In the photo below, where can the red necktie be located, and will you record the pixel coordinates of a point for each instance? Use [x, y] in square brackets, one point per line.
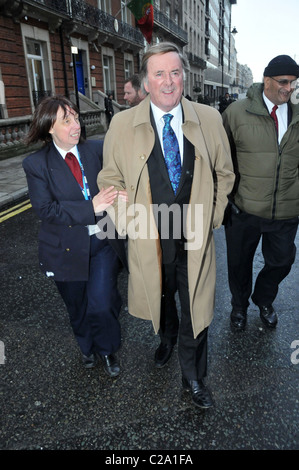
[273, 114]
[74, 166]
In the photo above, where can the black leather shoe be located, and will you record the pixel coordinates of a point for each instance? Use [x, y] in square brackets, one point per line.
[111, 365]
[162, 354]
[88, 361]
[238, 318]
[268, 316]
[201, 396]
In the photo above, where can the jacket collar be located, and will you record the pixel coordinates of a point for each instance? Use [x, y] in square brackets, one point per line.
[256, 103]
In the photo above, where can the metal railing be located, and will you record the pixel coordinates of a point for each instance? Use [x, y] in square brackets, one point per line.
[170, 25]
[196, 60]
[81, 11]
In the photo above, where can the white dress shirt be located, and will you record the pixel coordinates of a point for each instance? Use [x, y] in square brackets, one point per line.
[92, 229]
[282, 116]
[176, 124]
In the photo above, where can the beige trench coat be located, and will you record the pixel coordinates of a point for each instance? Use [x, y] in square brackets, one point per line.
[128, 144]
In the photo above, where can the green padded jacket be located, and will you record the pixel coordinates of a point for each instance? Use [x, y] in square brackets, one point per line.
[267, 173]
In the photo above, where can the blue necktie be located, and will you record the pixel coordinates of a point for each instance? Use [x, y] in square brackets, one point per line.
[171, 153]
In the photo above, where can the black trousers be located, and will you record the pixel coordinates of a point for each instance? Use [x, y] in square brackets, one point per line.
[243, 234]
[192, 352]
[94, 305]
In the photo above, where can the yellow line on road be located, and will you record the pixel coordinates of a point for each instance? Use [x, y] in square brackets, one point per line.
[15, 210]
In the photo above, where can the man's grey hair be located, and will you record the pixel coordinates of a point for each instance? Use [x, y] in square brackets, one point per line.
[161, 48]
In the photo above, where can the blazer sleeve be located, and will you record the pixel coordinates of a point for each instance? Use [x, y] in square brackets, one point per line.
[64, 207]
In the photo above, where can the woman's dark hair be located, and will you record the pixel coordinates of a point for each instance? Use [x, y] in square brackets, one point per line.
[45, 116]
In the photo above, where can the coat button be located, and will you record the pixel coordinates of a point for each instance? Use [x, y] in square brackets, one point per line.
[132, 187]
[67, 249]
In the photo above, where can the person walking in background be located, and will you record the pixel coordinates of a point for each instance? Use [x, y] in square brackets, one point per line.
[171, 153]
[109, 108]
[263, 131]
[225, 102]
[64, 194]
[133, 92]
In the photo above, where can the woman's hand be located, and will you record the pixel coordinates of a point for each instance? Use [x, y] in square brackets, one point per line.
[104, 199]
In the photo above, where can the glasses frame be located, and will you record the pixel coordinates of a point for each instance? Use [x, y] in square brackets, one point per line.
[285, 82]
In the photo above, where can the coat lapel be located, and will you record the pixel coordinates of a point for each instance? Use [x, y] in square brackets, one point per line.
[62, 175]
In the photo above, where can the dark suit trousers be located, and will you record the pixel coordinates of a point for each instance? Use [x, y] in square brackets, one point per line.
[192, 352]
[94, 305]
[243, 235]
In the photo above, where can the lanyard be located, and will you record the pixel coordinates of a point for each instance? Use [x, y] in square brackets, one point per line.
[85, 189]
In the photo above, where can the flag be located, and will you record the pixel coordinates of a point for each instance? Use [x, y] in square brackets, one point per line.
[143, 11]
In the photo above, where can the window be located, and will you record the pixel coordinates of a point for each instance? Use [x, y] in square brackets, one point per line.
[108, 75]
[126, 15]
[38, 69]
[167, 10]
[104, 5]
[128, 68]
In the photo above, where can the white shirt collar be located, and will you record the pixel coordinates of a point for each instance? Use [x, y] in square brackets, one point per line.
[270, 105]
[282, 116]
[158, 113]
[63, 153]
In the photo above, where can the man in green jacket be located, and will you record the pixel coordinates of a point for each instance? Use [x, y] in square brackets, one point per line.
[265, 200]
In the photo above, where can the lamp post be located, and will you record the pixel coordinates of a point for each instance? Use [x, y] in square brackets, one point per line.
[74, 53]
[234, 32]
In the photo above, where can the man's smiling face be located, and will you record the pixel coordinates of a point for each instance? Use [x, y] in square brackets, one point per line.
[165, 80]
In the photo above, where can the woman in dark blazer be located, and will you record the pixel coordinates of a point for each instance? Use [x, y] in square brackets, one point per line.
[73, 251]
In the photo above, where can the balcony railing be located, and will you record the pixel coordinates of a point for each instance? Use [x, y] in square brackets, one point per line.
[195, 60]
[78, 10]
[170, 25]
[57, 5]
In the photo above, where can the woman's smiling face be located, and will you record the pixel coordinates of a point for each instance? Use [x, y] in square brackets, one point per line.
[66, 130]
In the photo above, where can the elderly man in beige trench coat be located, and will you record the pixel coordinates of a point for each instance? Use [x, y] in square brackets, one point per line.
[133, 160]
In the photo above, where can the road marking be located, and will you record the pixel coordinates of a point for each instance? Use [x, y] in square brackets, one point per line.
[23, 206]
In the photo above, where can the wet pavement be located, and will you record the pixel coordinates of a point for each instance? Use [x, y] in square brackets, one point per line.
[49, 402]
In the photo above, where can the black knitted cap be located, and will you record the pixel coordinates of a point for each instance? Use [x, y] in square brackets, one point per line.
[281, 65]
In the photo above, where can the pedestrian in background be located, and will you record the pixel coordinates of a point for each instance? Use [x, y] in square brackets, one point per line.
[109, 110]
[171, 152]
[133, 92]
[225, 101]
[63, 192]
[263, 131]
